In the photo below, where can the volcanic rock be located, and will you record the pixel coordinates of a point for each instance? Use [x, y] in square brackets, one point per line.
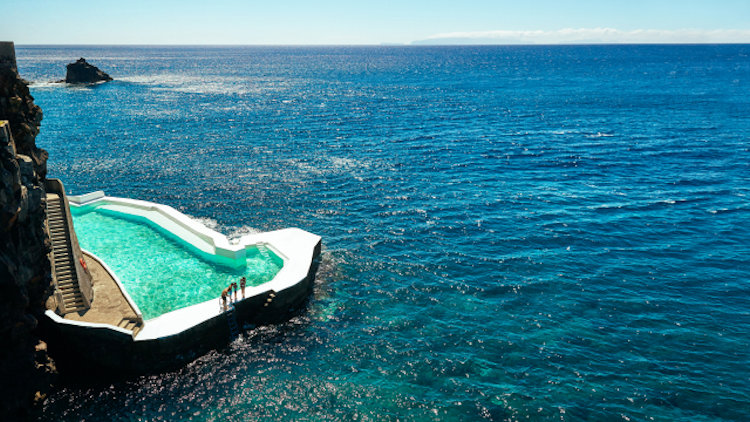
[81, 72]
[25, 271]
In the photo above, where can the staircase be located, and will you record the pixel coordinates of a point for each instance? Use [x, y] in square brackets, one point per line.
[131, 324]
[234, 330]
[63, 259]
[263, 249]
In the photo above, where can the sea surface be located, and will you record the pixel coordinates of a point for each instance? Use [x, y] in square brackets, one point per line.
[510, 232]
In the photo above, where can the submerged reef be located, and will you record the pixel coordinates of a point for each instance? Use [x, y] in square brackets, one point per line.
[25, 275]
[82, 72]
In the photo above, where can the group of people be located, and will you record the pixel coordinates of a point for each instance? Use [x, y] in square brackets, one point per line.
[232, 289]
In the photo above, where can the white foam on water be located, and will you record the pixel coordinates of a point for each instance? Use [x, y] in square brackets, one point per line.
[600, 135]
[195, 84]
[47, 85]
[235, 236]
[206, 221]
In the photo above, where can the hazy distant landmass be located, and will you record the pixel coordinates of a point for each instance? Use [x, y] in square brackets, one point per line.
[469, 41]
[589, 36]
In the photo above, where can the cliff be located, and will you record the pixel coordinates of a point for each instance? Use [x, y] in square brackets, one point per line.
[25, 370]
[81, 72]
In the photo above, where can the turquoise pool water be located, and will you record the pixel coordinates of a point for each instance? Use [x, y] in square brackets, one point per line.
[159, 273]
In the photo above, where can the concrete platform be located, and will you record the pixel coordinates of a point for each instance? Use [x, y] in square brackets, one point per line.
[97, 339]
[110, 304]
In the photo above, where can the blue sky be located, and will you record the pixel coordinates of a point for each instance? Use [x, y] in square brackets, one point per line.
[372, 22]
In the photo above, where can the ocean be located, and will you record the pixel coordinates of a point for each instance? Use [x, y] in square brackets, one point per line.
[510, 232]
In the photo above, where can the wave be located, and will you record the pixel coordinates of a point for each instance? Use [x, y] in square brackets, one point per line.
[235, 235]
[600, 135]
[196, 84]
[45, 85]
[636, 205]
[206, 221]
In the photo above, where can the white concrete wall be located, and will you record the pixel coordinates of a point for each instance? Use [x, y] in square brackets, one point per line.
[296, 247]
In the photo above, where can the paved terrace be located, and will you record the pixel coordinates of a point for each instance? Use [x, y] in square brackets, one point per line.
[109, 305]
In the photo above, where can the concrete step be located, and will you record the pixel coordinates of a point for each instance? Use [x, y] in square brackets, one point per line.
[129, 324]
[74, 300]
[75, 308]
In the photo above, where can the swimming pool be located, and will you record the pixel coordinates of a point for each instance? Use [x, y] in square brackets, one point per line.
[160, 272]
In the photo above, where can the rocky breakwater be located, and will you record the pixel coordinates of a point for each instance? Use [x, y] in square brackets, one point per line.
[81, 72]
[25, 369]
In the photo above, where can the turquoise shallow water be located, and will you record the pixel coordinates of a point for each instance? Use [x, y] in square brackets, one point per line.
[510, 233]
[160, 274]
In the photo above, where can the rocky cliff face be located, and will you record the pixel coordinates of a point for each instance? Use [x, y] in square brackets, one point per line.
[25, 370]
[81, 72]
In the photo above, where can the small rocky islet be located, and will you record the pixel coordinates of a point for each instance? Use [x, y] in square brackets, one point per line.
[82, 72]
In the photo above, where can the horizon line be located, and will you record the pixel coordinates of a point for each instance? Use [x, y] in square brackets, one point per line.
[412, 44]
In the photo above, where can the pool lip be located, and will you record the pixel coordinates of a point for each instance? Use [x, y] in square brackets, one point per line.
[188, 230]
[297, 249]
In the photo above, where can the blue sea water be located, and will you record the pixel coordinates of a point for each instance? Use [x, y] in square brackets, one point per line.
[510, 233]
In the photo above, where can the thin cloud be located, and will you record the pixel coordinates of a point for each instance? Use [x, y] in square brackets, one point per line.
[592, 36]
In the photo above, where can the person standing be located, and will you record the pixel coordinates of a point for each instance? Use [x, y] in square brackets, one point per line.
[234, 290]
[224, 297]
[242, 286]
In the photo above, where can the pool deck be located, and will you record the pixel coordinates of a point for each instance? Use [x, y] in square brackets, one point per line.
[109, 305]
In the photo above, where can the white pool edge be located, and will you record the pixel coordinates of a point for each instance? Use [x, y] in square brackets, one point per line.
[296, 247]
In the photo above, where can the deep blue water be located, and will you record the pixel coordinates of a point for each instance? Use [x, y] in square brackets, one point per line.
[511, 233]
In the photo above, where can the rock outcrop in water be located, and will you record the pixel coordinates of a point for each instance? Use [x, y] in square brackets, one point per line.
[25, 274]
[81, 72]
